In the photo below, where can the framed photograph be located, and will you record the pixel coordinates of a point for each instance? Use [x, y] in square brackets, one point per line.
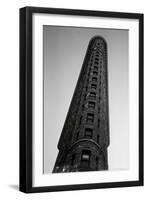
[81, 99]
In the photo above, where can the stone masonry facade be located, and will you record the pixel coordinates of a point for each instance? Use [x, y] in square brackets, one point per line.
[85, 136]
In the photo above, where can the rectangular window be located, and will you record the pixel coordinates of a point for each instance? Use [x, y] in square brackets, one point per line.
[90, 117]
[91, 104]
[85, 158]
[92, 95]
[95, 68]
[95, 73]
[94, 79]
[93, 86]
[88, 133]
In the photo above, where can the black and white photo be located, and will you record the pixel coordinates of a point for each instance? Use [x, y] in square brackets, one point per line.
[81, 99]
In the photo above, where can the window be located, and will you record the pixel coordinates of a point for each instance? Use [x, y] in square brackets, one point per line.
[89, 72]
[85, 158]
[94, 79]
[73, 159]
[93, 86]
[98, 139]
[91, 104]
[95, 73]
[77, 135]
[98, 123]
[80, 120]
[85, 96]
[83, 106]
[92, 95]
[95, 68]
[90, 117]
[97, 163]
[88, 133]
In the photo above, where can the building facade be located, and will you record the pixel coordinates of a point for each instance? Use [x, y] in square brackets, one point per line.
[85, 136]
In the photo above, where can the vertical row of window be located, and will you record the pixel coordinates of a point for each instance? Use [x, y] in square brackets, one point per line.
[92, 95]
[99, 99]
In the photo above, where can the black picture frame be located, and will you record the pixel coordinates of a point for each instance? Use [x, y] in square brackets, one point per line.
[26, 96]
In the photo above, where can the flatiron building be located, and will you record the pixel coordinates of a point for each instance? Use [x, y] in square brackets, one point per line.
[85, 136]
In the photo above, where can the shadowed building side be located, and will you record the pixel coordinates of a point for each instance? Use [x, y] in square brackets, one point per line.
[85, 136]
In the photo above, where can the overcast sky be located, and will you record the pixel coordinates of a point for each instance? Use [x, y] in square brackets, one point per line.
[64, 51]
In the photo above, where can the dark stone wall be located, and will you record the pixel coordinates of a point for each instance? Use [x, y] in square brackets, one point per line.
[85, 135]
